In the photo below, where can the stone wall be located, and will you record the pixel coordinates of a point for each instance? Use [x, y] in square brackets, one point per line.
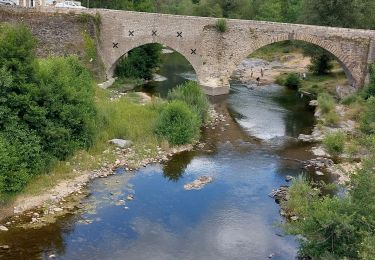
[57, 34]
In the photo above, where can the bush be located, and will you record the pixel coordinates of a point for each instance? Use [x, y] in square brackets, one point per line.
[335, 143]
[221, 25]
[369, 90]
[193, 96]
[90, 47]
[293, 81]
[338, 227]
[178, 123]
[326, 102]
[46, 109]
[367, 122]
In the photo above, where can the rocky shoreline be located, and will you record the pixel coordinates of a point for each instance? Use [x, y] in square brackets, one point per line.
[36, 211]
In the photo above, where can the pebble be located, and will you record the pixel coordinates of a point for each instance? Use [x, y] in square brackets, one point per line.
[3, 228]
[130, 197]
[57, 209]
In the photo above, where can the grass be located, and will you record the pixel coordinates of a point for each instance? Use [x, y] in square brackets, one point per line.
[221, 25]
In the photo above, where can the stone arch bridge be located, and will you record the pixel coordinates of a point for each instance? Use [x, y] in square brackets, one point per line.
[215, 55]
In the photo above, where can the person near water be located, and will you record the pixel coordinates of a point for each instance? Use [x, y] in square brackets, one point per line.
[258, 81]
[252, 72]
[261, 72]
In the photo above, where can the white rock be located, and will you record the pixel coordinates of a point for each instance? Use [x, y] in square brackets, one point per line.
[57, 209]
[319, 173]
[3, 228]
[121, 143]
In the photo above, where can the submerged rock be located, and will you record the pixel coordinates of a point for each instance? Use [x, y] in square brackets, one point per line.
[198, 183]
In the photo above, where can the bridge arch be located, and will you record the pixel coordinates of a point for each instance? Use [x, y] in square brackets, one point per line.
[350, 67]
[126, 48]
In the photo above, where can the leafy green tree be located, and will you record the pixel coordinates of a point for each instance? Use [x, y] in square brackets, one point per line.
[340, 13]
[46, 109]
[141, 62]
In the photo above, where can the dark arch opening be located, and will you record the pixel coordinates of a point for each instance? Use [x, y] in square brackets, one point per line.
[157, 68]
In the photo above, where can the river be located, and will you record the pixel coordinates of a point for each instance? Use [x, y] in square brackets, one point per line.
[248, 155]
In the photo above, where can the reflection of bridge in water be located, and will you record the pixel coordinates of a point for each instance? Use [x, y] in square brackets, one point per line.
[215, 55]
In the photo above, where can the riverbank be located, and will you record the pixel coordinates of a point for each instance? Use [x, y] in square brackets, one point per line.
[43, 201]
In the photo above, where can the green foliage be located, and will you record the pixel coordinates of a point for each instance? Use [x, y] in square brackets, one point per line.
[368, 117]
[293, 81]
[336, 227]
[326, 102]
[46, 109]
[369, 90]
[90, 47]
[178, 123]
[335, 143]
[221, 25]
[321, 64]
[140, 63]
[191, 93]
[15, 53]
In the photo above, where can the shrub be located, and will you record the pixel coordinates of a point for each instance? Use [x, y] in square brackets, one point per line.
[90, 47]
[178, 123]
[326, 102]
[293, 81]
[336, 227]
[369, 90]
[335, 143]
[47, 109]
[221, 25]
[367, 122]
[193, 96]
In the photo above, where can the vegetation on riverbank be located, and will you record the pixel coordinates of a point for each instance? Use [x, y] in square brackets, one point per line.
[55, 123]
[46, 108]
[338, 227]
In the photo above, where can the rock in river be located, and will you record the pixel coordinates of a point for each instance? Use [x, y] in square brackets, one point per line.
[198, 183]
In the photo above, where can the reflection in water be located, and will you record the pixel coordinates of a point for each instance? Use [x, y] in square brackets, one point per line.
[231, 218]
[176, 69]
[175, 168]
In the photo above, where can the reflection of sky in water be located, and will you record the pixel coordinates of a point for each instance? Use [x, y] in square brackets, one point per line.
[261, 116]
[233, 218]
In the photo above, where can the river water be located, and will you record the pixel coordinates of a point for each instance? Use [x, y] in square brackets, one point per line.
[248, 155]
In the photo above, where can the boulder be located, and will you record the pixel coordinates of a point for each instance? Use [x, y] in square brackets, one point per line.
[121, 143]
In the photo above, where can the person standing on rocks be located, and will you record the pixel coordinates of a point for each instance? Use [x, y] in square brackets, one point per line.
[262, 72]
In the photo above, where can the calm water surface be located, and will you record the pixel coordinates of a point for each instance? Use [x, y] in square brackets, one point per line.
[232, 218]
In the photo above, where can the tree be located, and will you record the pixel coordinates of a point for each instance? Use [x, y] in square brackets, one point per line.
[338, 13]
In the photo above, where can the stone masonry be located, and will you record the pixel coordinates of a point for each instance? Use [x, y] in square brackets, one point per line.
[215, 55]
